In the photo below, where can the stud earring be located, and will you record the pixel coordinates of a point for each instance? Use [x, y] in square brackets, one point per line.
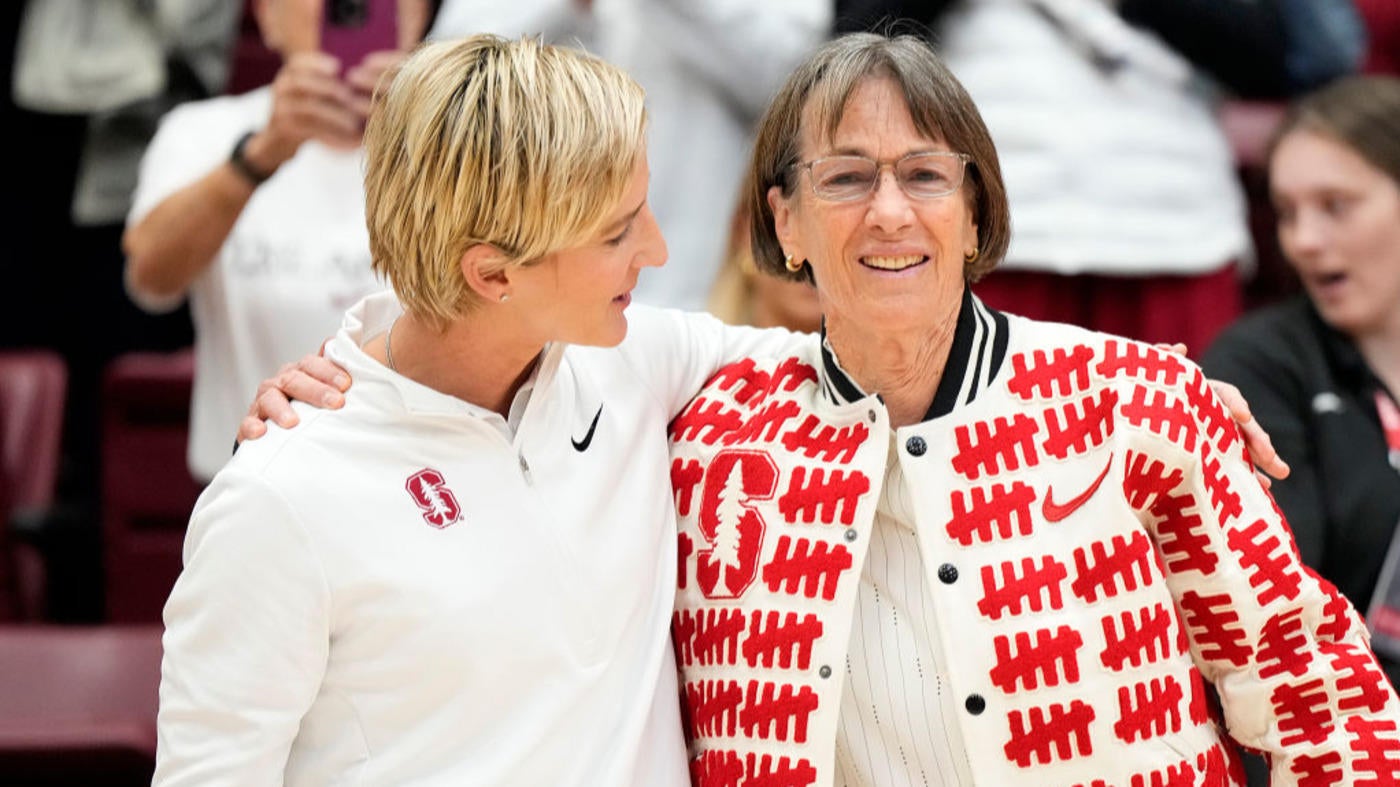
[791, 264]
[505, 296]
[971, 258]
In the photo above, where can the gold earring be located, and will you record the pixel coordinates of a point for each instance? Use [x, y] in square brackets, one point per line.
[971, 258]
[791, 264]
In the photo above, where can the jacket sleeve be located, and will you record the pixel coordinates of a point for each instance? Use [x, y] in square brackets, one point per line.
[1269, 379]
[246, 640]
[1287, 654]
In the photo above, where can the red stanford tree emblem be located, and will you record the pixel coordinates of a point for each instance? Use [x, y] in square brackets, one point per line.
[429, 491]
[732, 527]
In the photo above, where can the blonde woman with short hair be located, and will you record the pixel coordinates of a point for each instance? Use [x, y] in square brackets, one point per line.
[464, 576]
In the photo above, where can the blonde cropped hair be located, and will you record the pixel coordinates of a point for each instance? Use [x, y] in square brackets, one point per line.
[516, 144]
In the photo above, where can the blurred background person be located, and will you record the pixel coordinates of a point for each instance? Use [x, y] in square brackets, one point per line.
[86, 84]
[252, 206]
[1322, 369]
[743, 296]
[708, 69]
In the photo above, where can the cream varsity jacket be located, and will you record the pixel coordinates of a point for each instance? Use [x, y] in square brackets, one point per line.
[1104, 566]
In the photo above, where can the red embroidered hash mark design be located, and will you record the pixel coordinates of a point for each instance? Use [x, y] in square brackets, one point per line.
[686, 474]
[1336, 613]
[996, 446]
[792, 373]
[717, 636]
[430, 493]
[1375, 739]
[717, 768]
[1283, 646]
[1141, 362]
[1149, 709]
[765, 425]
[685, 547]
[705, 415]
[985, 514]
[1141, 640]
[724, 768]
[1268, 561]
[777, 711]
[1323, 770]
[1035, 586]
[707, 636]
[1224, 499]
[1045, 660]
[1214, 767]
[832, 444]
[714, 707]
[808, 567]
[1358, 673]
[782, 643]
[732, 527]
[1216, 423]
[770, 771]
[1215, 627]
[1044, 734]
[752, 384]
[1062, 373]
[1199, 709]
[1145, 479]
[1302, 712]
[1078, 426]
[1179, 775]
[1161, 414]
[1127, 563]
[1182, 535]
[838, 494]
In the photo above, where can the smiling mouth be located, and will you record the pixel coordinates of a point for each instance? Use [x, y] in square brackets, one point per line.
[894, 263]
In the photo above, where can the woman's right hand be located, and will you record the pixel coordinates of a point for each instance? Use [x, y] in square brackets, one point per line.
[314, 380]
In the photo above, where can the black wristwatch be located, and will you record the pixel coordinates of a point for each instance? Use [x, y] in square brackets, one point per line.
[240, 163]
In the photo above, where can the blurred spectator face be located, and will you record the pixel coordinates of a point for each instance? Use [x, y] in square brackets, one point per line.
[1339, 226]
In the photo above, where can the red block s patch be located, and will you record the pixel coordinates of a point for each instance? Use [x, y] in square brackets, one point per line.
[733, 528]
[429, 491]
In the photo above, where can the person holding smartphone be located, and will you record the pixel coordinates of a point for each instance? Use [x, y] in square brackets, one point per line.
[252, 206]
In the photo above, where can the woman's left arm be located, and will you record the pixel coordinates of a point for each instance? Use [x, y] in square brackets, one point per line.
[1288, 655]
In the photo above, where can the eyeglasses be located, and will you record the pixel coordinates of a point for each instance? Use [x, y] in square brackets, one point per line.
[919, 175]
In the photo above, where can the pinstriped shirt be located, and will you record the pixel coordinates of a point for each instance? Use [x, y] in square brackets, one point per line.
[892, 730]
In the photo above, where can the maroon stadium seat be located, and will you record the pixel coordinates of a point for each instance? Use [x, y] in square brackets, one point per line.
[79, 704]
[147, 491]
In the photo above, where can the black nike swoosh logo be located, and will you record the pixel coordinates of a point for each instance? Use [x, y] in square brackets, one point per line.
[582, 445]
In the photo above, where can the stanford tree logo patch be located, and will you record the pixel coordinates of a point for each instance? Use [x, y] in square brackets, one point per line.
[429, 491]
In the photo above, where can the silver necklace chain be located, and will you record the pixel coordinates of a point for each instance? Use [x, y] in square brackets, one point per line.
[388, 345]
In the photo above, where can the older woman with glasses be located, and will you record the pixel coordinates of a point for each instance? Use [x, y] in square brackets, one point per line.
[953, 546]
[946, 545]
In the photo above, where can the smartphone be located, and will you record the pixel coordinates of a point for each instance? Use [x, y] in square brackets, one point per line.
[351, 29]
